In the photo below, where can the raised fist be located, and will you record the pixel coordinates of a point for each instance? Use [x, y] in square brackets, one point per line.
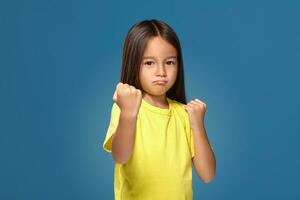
[128, 98]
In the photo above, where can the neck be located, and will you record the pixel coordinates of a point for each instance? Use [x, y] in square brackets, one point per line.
[159, 101]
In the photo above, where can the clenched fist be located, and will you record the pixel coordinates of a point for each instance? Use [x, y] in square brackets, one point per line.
[128, 98]
[196, 111]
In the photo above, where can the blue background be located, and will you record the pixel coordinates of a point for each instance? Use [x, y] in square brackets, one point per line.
[60, 62]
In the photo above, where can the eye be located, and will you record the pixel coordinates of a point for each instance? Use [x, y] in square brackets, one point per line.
[170, 62]
[148, 63]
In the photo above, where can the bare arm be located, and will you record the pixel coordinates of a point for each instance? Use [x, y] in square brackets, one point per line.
[204, 160]
[129, 100]
[123, 138]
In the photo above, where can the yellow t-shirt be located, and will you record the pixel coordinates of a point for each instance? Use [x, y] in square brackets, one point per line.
[160, 167]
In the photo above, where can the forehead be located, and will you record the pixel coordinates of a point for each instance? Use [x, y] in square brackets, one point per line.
[159, 48]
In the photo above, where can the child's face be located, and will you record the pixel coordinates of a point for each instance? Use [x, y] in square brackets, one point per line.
[159, 62]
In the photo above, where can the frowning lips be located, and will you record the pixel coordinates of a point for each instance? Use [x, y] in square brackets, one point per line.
[162, 81]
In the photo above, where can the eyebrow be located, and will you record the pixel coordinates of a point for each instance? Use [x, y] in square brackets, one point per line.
[153, 57]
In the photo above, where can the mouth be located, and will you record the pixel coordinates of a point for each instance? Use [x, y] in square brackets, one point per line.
[160, 82]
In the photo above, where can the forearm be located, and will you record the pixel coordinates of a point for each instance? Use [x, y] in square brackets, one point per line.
[204, 159]
[123, 138]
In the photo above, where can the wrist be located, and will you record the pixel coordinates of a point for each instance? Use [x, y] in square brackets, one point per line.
[198, 127]
[128, 115]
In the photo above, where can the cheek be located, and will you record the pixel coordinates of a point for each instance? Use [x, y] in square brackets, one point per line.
[173, 74]
[144, 77]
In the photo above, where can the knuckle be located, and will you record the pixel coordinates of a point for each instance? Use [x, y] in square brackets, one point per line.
[131, 87]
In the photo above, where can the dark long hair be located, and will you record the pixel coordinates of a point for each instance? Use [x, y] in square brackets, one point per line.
[133, 50]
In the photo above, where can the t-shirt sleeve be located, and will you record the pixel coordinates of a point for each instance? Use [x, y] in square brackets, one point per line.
[190, 136]
[113, 124]
[192, 143]
[192, 147]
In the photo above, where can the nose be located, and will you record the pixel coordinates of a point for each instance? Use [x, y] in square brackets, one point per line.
[161, 71]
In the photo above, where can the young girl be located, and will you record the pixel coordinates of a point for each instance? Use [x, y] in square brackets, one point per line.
[153, 135]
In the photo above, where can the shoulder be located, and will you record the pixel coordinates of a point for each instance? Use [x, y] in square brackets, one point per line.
[115, 106]
[176, 104]
[178, 107]
[115, 109]
[179, 110]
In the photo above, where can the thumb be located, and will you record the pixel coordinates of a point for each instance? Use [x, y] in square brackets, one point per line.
[115, 96]
[115, 93]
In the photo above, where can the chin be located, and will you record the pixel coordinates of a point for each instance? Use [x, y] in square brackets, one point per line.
[156, 92]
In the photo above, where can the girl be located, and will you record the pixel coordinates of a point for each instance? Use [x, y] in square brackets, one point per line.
[153, 135]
